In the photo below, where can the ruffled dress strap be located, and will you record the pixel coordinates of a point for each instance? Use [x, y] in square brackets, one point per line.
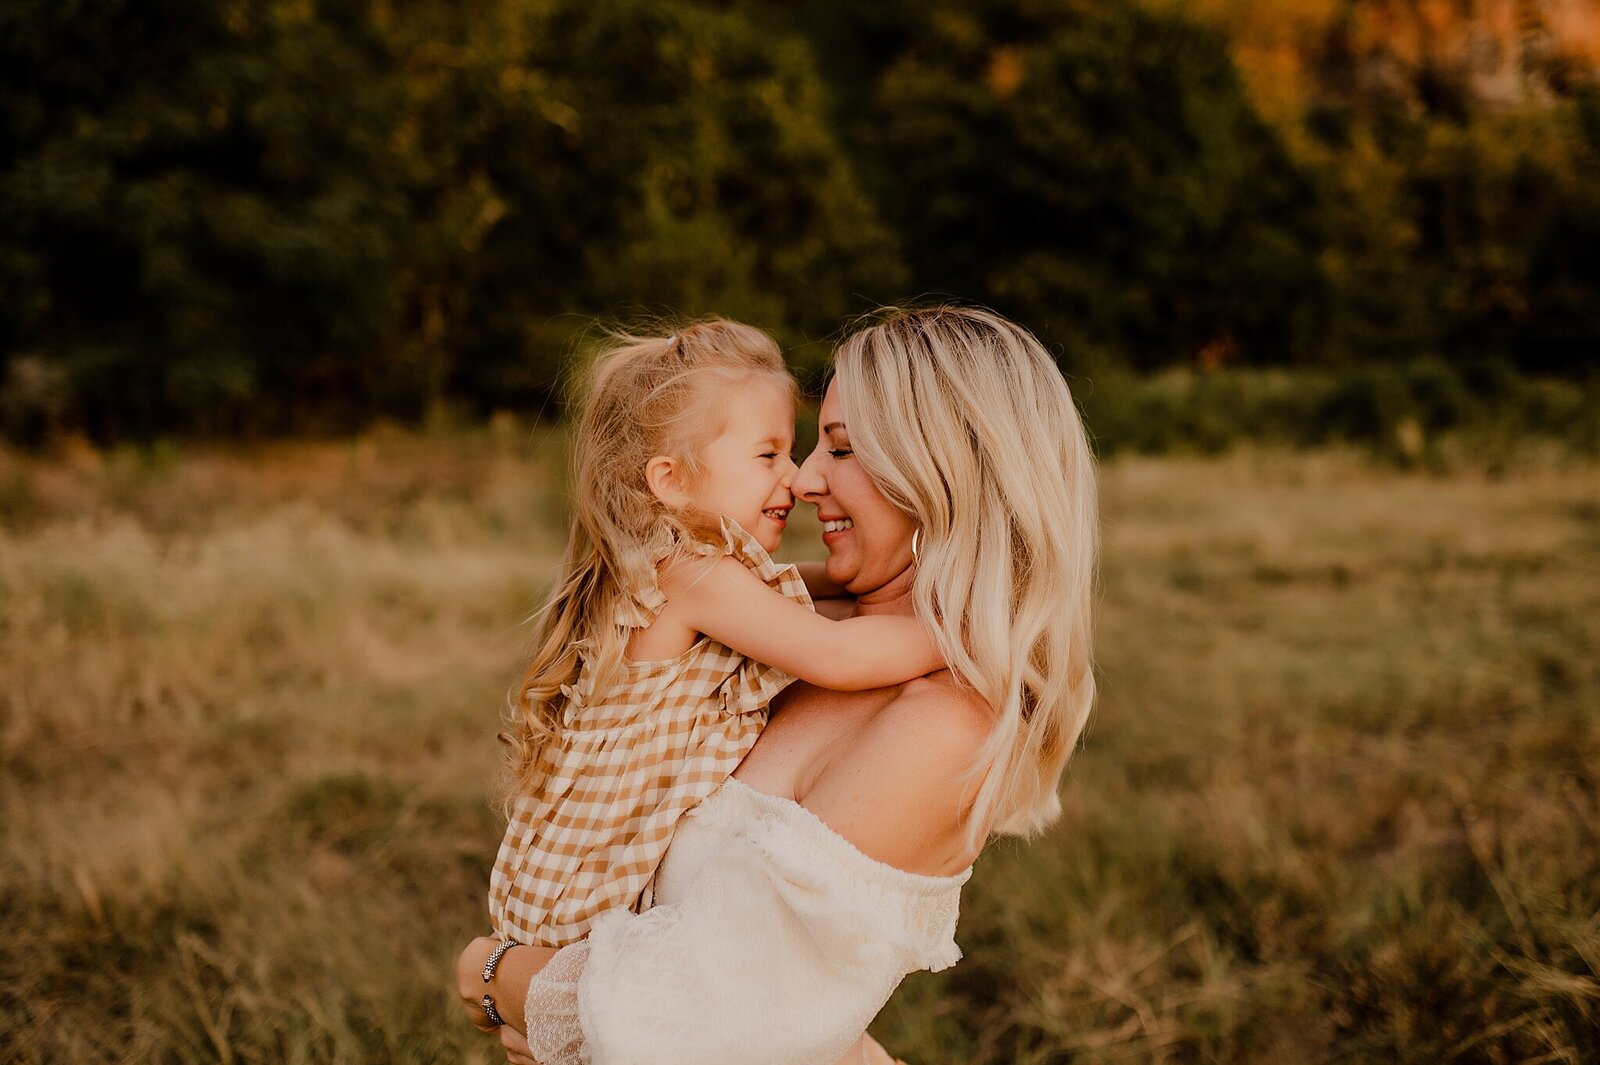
[747, 549]
[645, 601]
[750, 685]
[754, 684]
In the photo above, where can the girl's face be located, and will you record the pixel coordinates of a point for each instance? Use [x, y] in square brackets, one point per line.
[746, 472]
[868, 537]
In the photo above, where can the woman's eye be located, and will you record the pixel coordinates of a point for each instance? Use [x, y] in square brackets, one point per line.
[768, 455]
[840, 452]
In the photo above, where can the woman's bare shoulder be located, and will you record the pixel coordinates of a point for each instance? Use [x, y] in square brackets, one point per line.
[951, 715]
[900, 788]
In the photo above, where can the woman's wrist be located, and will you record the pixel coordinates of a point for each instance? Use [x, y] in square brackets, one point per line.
[497, 997]
[469, 980]
[508, 984]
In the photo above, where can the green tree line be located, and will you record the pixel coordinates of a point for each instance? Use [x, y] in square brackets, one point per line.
[267, 215]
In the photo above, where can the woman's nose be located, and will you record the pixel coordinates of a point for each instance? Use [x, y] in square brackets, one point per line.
[809, 482]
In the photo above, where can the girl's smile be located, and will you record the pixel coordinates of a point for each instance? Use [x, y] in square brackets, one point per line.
[746, 472]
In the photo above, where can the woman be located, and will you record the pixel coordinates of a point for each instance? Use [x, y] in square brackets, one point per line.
[954, 481]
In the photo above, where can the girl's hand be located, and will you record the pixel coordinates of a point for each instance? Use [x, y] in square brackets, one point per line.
[469, 980]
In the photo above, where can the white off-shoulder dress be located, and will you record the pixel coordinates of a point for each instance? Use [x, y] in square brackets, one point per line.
[772, 941]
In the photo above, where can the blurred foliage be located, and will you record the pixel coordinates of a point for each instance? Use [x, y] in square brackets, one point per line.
[1094, 170]
[207, 218]
[1421, 412]
[271, 213]
[1475, 238]
[291, 215]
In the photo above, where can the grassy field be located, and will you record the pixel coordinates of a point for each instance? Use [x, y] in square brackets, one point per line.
[1340, 801]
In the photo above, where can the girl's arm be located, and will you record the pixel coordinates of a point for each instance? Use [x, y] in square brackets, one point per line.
[730, 604]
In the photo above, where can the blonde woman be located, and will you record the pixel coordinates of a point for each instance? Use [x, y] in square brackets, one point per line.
[955, 484]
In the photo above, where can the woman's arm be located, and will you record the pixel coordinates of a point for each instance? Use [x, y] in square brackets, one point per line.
[730, 604]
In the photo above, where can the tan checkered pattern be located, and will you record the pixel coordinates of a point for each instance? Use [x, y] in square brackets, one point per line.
[632, 760]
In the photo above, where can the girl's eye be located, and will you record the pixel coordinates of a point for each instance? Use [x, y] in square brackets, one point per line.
[840, 452]
[768, 455]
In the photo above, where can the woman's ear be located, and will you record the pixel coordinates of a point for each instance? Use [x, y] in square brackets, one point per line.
[662, 476]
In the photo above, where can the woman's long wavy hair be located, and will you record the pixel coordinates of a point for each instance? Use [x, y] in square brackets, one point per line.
[964, 421]
[644, 396]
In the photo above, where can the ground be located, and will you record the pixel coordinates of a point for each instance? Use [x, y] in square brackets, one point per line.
[1339, 800]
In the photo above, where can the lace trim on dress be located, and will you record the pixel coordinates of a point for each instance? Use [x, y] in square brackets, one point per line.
[926, 908]
[555, 1033]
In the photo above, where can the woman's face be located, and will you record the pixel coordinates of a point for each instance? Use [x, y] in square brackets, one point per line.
[868, 537]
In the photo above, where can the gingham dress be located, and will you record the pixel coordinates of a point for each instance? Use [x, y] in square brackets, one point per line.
[631, 761]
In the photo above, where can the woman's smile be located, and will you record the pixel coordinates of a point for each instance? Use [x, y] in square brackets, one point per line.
[835, 529]
[868, 538]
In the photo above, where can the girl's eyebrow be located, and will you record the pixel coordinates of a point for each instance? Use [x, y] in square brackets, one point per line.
[831, 426]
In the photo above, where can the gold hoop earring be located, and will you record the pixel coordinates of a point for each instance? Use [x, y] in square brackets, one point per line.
[916, 544]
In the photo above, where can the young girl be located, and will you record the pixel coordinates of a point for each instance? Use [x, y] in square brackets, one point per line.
[673, 628]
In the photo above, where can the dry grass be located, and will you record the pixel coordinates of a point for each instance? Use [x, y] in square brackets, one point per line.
[1340, 802]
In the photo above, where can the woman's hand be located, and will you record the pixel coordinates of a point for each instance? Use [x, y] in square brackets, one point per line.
[469, 981]
[516, 1047]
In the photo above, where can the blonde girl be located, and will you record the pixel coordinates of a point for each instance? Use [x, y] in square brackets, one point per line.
[671, 629]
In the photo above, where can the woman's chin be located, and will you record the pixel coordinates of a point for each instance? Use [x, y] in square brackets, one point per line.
[839, 568]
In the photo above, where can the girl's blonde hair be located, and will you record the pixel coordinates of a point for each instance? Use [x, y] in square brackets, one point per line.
[963, 421]
[645, 396]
